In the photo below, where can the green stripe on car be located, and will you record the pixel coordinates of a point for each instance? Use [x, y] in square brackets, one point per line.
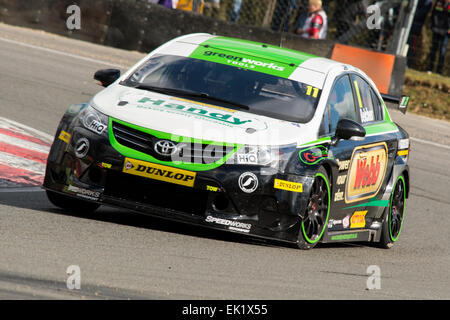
[251, 55]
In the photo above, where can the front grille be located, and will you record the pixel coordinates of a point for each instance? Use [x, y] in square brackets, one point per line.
[132, 138]
[156, 193]
[187, 152]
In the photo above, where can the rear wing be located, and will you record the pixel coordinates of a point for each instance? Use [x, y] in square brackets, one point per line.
[401, 102]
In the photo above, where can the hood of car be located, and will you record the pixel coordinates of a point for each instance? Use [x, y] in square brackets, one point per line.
[197, 120]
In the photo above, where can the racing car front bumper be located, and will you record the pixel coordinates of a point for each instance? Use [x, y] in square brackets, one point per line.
[215, 199]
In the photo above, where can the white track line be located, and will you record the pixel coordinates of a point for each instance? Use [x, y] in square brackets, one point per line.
[62, 53]
[23, 143]
[431, 143]
[21, 163]
[39, 134]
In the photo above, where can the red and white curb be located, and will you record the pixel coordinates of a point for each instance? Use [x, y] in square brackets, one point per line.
[23, 153]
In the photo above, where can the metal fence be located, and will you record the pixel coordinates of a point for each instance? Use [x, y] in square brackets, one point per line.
[347, 20]
[399, 27]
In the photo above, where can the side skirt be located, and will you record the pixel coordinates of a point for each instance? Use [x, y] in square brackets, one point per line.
[365, 235]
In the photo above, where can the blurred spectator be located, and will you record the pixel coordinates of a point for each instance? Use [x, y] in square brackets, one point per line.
[325, 4]
[166, 3]
[316, 24]
[345, 16]
[282, 15]
[236, 10]
[423, 7]
[191, 5]
[302, 14]
[211, 8]
[440, 23]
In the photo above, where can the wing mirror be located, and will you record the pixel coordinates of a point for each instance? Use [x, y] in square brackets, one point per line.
[105, 77]
[403, 106]
[402, 103]
[347, 129]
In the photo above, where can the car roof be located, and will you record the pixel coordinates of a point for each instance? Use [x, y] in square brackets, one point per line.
[302, 67]
[263, 50]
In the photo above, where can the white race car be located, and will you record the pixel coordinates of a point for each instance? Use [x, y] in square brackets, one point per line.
[240, 136]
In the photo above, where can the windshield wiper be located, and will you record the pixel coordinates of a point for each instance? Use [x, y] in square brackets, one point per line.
[192, 94]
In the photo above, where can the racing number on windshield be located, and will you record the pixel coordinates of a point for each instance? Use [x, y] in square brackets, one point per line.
[311, 90]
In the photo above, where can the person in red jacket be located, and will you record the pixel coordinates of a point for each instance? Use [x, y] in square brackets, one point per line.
[316, 24]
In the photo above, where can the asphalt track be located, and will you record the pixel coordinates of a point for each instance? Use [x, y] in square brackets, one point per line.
[122, 255]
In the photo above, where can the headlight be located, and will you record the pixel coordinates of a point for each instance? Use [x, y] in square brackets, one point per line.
[94, 120]
[270, 156]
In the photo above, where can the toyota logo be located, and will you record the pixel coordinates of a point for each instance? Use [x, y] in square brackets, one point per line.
[165, 147]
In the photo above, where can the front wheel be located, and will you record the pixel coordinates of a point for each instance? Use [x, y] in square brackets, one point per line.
[317, 212]
[393, 221]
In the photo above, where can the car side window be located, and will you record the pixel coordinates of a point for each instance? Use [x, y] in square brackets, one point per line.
[341, 104]
[378, 107]
[367, 110]
[324, 129]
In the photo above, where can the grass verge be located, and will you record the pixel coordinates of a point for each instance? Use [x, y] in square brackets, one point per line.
[430, 94]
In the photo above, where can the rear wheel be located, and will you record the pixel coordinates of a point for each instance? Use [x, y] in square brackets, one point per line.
[393, 222]
[70, 203]
[317, 212]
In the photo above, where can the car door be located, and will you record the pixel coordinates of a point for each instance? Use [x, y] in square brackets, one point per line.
[341, 104]
[372, 159]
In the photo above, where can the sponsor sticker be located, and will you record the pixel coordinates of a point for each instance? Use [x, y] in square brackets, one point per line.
[232, 225]
[343, 165]
[313, 155]
[84, 193]
[247, 158]
[105, 165]
[211, 188]
[82, 147]
[288, 185]
[64, 136]
[366, 115]
[358, 219]
[216, 115]
[339, 195]
[346, 222]
[341, 179]
[95, 126]
[241, 61]
[347, 236]
[366, 172]
[159, 172]
[248, 182]
[332, 223]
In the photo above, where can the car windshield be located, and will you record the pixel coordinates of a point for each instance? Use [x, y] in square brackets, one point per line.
[257, 92]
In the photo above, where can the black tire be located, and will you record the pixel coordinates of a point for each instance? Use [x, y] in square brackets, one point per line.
[71, 204]
[394, 215]
[313, 226]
